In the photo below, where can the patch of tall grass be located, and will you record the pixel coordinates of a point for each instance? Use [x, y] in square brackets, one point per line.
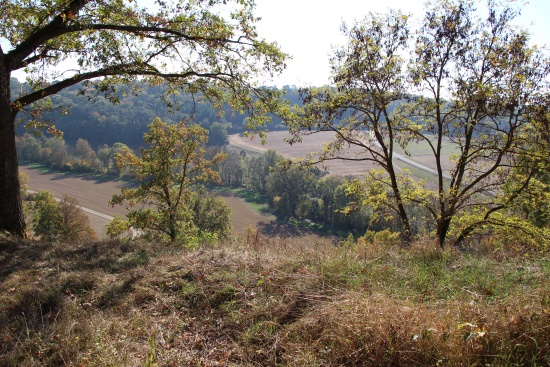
[271, 301]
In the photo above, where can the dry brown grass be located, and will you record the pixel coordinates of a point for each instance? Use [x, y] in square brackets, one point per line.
[258, 301]
[379, 330]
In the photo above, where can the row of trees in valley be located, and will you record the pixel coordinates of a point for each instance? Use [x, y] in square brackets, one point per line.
[305, 193]
[54, 152]
[57, 153]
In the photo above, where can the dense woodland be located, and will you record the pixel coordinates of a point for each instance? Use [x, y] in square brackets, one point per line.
[101, 122]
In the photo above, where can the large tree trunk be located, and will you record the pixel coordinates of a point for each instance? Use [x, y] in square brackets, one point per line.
[12, 219]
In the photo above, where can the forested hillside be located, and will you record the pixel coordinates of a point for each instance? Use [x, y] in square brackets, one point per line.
[100, 122]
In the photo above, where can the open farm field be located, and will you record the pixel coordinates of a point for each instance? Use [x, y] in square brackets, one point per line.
[310, 144]
[94, 193]
[419, 152]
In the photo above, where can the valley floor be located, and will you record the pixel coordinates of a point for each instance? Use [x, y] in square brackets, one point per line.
[95, 192]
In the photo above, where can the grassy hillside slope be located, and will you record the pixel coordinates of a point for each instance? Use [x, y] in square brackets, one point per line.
[259, 301]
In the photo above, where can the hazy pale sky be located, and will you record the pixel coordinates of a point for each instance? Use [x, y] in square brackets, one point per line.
[306, 29]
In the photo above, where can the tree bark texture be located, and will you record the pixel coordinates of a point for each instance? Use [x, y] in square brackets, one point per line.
[12, 219]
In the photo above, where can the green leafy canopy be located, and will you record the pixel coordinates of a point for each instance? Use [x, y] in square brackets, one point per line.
[164, 202]
[210, 47]
[207, 47]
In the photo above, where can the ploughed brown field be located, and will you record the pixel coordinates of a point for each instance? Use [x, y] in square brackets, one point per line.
[94, 193]
[310, 144]
[419, 152]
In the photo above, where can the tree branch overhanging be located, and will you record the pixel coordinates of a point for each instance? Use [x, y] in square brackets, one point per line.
[24, 101]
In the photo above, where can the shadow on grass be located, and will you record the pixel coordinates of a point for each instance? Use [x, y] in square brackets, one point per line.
[280, 229]
[255, 200]
[109, 256]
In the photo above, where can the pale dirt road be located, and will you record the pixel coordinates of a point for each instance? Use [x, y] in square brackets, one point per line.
[94, 194]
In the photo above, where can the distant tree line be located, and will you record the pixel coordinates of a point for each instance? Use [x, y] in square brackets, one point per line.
[101, 122]
[54, 152]
[62, 154]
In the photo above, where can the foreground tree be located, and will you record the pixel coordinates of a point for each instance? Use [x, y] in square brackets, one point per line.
[209, 47]
[166, 170]
[47, 219]
[482, 94]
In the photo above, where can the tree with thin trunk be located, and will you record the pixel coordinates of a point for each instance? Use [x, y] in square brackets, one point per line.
[207, 47]
[166, 171]
[468, 88]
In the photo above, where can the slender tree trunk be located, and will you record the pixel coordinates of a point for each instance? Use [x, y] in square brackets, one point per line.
[442, 230]
[400, 207]
[408, 238]
[12, 219]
